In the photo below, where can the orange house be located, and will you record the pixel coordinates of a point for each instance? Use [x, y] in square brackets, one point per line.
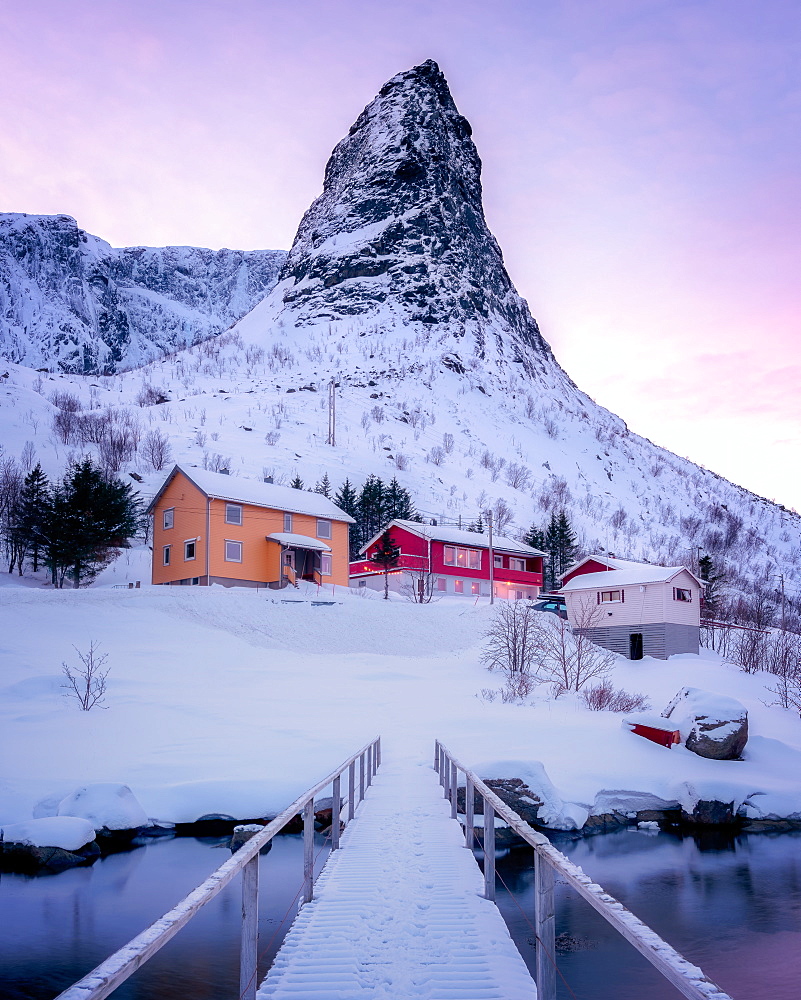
[212, 528]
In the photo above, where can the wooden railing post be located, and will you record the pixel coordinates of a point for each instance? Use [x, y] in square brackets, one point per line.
[489, 851]
[469, 819]
[369, 766]
[544, 926]
[336, 809]
[442, 766]
[351, 789]
[361, 777]
[446, 774]
[454, 790]
[308, 851]
[436, 756]
[249, 945]
[378, 749]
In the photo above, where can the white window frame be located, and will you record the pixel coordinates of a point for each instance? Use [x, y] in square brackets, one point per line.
[187, 543]
[497, 560]
[517, 564]
[165, 555]
[168, 518]
[229, 558]
[233, 513]
[324, 528]
[287, 522]
[442, 583]
[683, 590]
[475, 587]
[462, 558]
[458, 586]
[326, 564]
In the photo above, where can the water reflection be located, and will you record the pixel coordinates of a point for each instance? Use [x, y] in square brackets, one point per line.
[729, 904]
[54, 929]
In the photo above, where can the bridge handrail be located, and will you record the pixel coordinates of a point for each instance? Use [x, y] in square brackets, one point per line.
[686, 977]
[107, 976]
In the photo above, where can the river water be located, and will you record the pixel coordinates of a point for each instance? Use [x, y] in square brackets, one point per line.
[730, 905]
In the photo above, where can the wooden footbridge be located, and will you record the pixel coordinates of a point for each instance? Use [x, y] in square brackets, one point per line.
[401, 909]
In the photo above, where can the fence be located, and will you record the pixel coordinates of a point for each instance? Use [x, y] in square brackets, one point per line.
[687, 978]
[104, 979]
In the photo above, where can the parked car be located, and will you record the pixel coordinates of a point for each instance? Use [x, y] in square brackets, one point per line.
[553, 603]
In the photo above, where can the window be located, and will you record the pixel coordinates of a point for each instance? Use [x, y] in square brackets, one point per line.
[195, 581]
[169, 517]
[610, 596]
[325, 564]
[475, 587]
[362, 583]
[233, 551]
[682, 595]
[189, 549]
[458, 586]
[323, 529]
[498, 561]
[287, 522]
[518, 564]
[442, 583]
[466, 558]
[166, 555]
[518, 595]
[233, 513]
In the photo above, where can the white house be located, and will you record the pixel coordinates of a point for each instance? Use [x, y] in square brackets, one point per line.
[634, 608]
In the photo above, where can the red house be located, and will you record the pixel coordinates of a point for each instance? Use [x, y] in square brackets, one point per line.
[447, 560]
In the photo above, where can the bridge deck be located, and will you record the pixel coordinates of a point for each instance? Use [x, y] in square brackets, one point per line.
[399, 912]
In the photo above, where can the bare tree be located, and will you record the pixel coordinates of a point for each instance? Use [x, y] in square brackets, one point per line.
[568, 658]
[156, 449]
[512, 640]
[87, 683]
[419, 588]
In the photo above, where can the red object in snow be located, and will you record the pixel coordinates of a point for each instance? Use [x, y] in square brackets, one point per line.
[664, 737]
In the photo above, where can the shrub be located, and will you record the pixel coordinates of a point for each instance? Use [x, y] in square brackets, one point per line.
[603, 697]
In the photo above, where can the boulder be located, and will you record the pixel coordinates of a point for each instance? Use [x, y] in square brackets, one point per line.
[711, 725]
[242, 835]
[48, 844]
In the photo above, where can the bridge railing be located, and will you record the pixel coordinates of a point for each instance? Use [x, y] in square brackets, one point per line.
[686, 977]
[104, 979]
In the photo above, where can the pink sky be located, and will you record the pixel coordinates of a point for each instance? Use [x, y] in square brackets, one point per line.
[641, 169]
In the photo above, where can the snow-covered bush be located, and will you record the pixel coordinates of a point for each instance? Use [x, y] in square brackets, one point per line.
[604, 697]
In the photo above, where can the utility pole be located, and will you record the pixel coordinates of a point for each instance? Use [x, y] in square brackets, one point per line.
[332, 414]
[491, 559]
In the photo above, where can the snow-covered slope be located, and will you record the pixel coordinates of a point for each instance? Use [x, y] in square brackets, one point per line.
[395, 290]
[69, 300]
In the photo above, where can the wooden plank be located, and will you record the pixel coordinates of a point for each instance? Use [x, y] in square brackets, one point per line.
[308, 851]
[249, 945]
[489, 851]
[686, 977]
[336, 810]
[545, 928]
[469, 805]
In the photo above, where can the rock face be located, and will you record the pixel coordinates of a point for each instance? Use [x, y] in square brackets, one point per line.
[398, 235]
[71, 300]
[711, 725]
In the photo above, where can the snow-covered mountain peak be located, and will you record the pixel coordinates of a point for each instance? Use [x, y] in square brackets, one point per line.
[398, 238]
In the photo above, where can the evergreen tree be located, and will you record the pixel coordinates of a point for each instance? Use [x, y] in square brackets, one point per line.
[88, 514]
[30, 514]
[372, 516]
[535, 537]
[712, 590]
[297, 483]
[347, 500]
[386, 556]
[398, 503]
[323, 486]
[478, 525]
[559, 542]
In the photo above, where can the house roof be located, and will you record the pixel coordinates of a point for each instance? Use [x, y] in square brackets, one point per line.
[626, 574]
[259, 494]
[457, 536]
[294, 541]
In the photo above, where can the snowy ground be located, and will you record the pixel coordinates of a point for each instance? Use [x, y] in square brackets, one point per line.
[233, 701]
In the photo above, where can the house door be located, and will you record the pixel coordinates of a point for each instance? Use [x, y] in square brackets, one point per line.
[635, 646]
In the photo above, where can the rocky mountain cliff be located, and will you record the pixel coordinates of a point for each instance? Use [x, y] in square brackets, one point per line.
[398, 237]
[69, 300]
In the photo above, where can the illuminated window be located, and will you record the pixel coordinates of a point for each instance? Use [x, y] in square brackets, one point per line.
[475, 587]
[442, 583]
[465, 558]
[458, 586]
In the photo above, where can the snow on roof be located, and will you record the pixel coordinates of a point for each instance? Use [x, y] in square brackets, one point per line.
[629, 573]
[222, 487]
[298, 541]
[458, 536]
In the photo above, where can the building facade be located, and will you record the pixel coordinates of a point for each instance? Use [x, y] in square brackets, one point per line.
[213, 528]
[634, 609]
[443, 560]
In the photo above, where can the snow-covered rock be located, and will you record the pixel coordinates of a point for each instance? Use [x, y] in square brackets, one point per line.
[69, 300]
[70, 833]
[106, 806]
[711, 725]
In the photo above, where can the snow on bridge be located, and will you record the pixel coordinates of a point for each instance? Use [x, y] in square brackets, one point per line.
[399, 912]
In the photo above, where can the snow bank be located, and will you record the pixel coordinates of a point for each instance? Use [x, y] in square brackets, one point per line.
[70, 833]
[105, 805]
